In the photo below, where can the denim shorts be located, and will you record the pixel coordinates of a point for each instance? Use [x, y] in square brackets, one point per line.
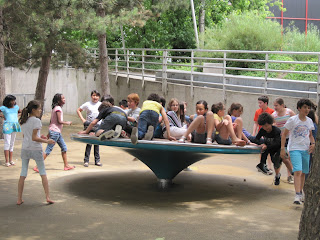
[57, 137]
[300, 160]
[222, 141]
[36, 155]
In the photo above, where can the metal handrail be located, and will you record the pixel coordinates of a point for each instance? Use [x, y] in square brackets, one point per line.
[139, 61]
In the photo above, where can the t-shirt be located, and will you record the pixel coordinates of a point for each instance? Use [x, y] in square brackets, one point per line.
[10, 114]
[220, 119]
[134, 114]
[110, 110]
[91, 109]
[299, 132]
[54, 124]
[151, 105]
[11, 123]
[174, 120]
[258, 113]
[27, 129]
[281, 121]
[271, 139]
[260, 110]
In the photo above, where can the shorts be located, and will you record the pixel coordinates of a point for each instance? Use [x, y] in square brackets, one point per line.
[300, 160]
[36, 155]
[57, 137]
[222, 141]
[200, 137]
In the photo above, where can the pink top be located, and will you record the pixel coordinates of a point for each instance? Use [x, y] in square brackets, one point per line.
[54, 124]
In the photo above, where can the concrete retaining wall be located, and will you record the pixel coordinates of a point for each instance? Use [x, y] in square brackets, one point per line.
[77, 85]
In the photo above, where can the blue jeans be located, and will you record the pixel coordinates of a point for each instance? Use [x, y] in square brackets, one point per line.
[111, 121]
[57, 137]
[147, 118]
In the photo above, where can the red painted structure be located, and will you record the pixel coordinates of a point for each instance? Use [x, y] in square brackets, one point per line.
[294, 4]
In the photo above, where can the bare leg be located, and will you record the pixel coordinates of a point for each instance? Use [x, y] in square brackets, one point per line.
[288, 164]
[10, 156]
[210, 125]
[239, 127]
[65, 161]
[297, 181]
[46, 188]
[20, 189]
[197, 124]
[6, 155]
[303, 178]
[227, 130]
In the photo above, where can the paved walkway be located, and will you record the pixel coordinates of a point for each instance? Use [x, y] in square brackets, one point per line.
[224, 197]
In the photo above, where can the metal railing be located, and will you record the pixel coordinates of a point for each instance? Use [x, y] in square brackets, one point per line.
[268, 72]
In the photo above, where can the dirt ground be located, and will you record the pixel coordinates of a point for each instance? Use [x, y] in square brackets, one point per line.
[224, 197]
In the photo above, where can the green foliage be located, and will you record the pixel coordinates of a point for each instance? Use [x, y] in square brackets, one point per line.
[296, 41]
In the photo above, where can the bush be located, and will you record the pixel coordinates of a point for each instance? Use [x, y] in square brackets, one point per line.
[296, 41]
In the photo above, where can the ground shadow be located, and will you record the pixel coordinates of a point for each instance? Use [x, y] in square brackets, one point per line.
[140, 188]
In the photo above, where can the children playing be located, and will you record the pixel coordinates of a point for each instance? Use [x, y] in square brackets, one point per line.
[91, 109]
[280, 115]
[202, 126]
[271, 145]
[176, 123]
[32, 147]
[10, 127]
[114, 119]
[301, 144]
[225, 133]
[55, 130]
[263, 107]
[149, 118]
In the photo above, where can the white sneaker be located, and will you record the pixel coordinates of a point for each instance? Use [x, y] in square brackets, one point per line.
[297, 199]
[117, 131]
[106, 135]
[290, 179]
[149, 134]
[302, 197]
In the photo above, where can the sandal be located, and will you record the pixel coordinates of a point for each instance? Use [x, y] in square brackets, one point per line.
[69, 168]
[36, 169]
[209, 141]
[12, 163]
[7, 164]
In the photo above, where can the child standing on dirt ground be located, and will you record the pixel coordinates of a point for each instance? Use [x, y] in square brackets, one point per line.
[55, 130]
[271, 145]
[92, 112]
[149, 118]
[301, 144]
[10, 127]
[32, 147]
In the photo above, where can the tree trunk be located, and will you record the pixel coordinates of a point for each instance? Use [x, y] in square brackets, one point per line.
[202, 15]
[309, 228]
[2, 71]
[103, 57]
[43, 77]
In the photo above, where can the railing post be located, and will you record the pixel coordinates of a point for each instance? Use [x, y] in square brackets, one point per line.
[266, 74]
[143, 53]
[318, 85]
[128, 65]
[224, 78]
[191, 77]
[164, 72]
[116, 58]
